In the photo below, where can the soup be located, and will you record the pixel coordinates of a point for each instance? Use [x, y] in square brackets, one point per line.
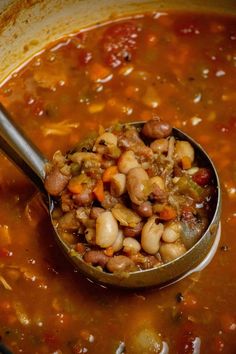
[179, 67]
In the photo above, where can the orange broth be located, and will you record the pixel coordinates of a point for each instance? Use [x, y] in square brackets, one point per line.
[180, 67]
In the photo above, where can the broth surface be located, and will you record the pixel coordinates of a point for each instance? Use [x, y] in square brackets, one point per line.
[180, 67]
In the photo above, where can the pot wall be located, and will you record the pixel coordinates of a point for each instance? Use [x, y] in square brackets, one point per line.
[27, 26]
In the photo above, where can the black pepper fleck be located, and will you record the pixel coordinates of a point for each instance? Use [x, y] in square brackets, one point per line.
[179, 297]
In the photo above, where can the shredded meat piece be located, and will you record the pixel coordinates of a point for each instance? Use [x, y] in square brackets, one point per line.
[130, 140]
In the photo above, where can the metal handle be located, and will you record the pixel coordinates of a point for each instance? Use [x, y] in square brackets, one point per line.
[21, 150]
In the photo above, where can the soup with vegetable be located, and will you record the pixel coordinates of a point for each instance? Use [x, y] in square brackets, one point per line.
[178, 67]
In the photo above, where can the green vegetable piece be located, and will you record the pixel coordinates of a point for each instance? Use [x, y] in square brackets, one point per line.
[188, 187]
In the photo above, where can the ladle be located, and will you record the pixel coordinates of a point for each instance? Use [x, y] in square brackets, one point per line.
[29, 159]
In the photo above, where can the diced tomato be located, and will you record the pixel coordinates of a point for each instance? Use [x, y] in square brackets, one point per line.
[85, 57]
[202, 176]
[188, 27]
[228, 322]
[218, 345]
[190, 301]
[51, 340]
[119, 43]
[186, 343]
[4, 252]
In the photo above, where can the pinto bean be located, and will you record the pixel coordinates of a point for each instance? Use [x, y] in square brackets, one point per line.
[119, 264]
[118, 184]
[96, 258]
[137, 179]
[106, 229]
[127, 161]
[151, 235]
[133, 231]
[55, 181]
[172, 232]
[171, 251]
[144, 210]
[131, 245]
[156, 129]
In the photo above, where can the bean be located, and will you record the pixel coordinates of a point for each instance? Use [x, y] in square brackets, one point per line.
[127, 161]
[151, 234]
[171, 251]
[156, 129]
[144, 209]
[172, 232]
[106, 229]
[159, 145]
[137, 179]
[118, 184]
[131, 245]
[133, 231]
[80, 157]
[96, 258]
[118, 244]
[119, 264]
[55, 181]
[184, 149]
[106, 139]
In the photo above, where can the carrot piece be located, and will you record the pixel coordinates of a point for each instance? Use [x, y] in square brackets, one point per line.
[74, 186]
[98, 72]
[168, 213]
[186, 162]
[109, 173]
[99, 191]
[109, 251]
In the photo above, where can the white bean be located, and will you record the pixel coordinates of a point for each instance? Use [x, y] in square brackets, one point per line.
[131, 245]
[107, 138]
[118, 244]
[127, 161]
[171, 251]
[118, 184]
[172, 232]
[106, 229]
[184, 149]
[151, 234]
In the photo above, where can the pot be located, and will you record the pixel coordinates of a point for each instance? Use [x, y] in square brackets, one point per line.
[26, 27]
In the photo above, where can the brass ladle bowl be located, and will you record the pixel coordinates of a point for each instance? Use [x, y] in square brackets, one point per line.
[29, 159]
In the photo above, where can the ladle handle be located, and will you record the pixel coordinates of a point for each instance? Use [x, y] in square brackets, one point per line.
[22, 151]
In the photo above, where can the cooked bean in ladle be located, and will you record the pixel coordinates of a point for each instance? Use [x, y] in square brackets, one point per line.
[138, 205]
